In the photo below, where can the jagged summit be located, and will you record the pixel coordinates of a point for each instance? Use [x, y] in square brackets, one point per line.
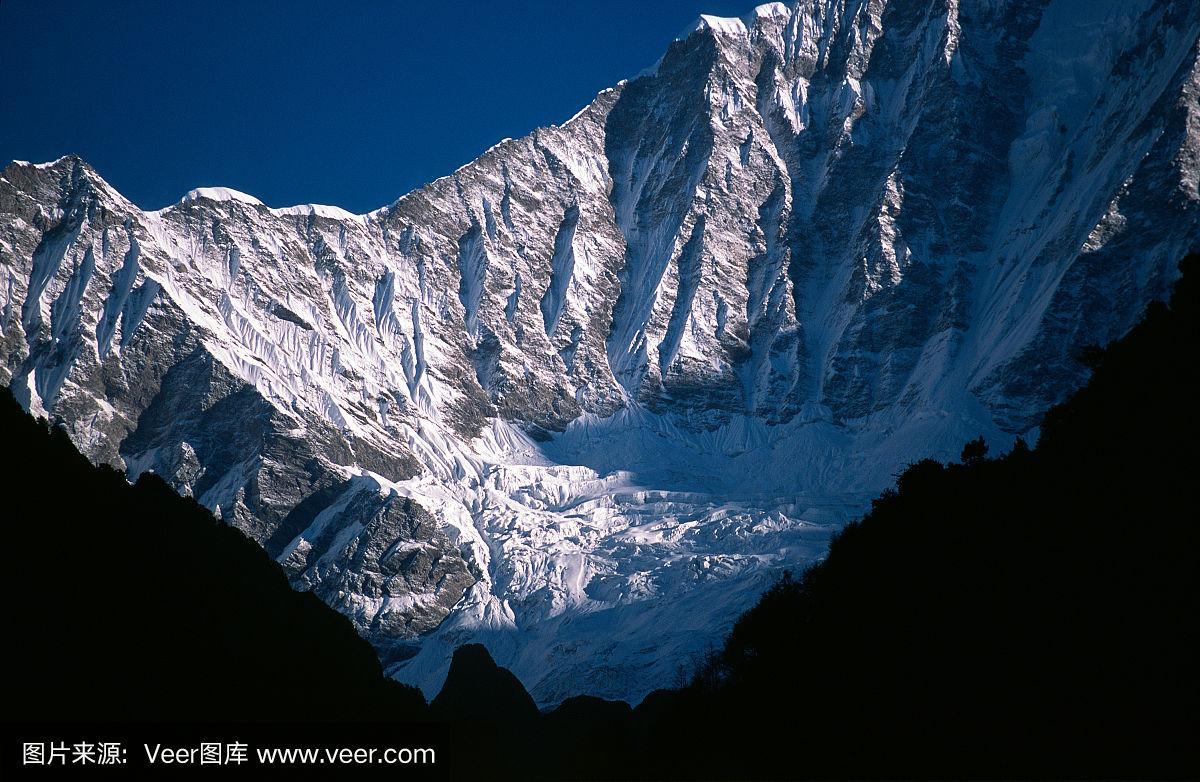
[580, 399]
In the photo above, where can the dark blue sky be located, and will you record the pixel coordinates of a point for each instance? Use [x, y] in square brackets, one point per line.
[346, 103]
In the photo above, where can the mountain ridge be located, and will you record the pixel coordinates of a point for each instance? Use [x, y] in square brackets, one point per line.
[1053, 654]
[583, 398]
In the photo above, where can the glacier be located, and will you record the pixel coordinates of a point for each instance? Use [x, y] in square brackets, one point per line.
[585, 398]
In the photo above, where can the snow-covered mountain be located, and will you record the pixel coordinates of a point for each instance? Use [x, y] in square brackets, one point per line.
[583, 398]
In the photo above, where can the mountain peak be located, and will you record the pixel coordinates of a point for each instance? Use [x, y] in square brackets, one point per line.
[586, 395]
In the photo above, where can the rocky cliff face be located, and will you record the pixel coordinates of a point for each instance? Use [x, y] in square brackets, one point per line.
[582, 398]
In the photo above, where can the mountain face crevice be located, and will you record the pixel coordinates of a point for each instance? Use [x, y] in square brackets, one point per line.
[580, 400]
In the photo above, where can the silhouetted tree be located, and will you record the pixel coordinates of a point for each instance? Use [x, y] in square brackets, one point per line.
[974, 451]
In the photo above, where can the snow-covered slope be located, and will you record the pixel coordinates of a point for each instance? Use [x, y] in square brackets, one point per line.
[582, 399]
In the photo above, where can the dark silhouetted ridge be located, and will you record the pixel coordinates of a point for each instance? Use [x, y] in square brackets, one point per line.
[1028, 615]
[129, 602]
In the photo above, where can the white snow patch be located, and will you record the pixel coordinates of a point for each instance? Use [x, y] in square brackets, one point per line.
[734, 25]
[320, 210]
[220, 194]
[51, 164]
[727, 25]
[767, 11]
